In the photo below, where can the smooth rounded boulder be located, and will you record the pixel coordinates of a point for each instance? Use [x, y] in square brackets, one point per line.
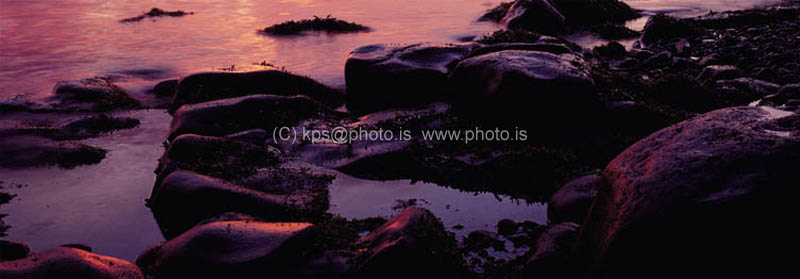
[231, 249]
[69, 263]
[572, 202]
[706, 197]
[524, 86]
[382, 76]
[204, 87]
[184, 199]
[228, 116]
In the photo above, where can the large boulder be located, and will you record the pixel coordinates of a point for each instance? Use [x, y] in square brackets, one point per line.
[413, 244]
[534, 15]
[551, 259]
[702, 198]
[203, 87]
[228, 116]
[184, 199]
[572, 202]
[231, 249]
[69, 263]
[524, 86]
[385, 76]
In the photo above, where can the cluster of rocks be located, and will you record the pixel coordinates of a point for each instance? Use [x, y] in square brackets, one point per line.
[552, 17]
[714, 61]
[698, 198]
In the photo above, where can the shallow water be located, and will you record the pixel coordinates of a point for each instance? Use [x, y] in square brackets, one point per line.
[44, 41]
[99, 205]
[358, 198]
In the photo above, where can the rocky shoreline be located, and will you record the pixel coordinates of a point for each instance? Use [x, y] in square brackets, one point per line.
[674, 156]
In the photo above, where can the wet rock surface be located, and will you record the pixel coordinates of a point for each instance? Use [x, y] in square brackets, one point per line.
[202, 87]
[697, 186]
[562, 16]
[385, 76]
[239, 249]
[64, 262]
[228, 116]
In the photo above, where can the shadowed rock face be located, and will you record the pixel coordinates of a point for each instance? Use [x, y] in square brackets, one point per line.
[536, 15]
[69, 263]
[186, 198]
[524, 86]
[553, 248]
[231, 249]
[571, 203]
[414, 239]
[700, 198]
[227, 116]
[203, 87]
[383, 76]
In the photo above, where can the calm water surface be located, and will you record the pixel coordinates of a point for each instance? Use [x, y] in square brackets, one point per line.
[44, 41]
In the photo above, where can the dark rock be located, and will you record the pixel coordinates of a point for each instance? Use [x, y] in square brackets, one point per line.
[382, 76]
[184, 199]
[610, 31]
[256, 136]
[91, 94]
[507, 227]
[680, 200]
[231, 249]
[742, 91]
[482, 240]
[414, 238]
[611, 50]
[504, 85]
[554, 48]
[10, 251]
[327, 24]
[719, 72]
[82, 128]
[572, 202]
[625, 64]
[786, 93]
[227, 116]
[219, 157]
[203, 87]
[684, 93]
[659, 60]
[534, 15]
[497, 13]
[586, 13]
[552, 256]
[662, 28]
[63, 262]
[28, 151]
[641, 54]
[710, 59]
[166, 88]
